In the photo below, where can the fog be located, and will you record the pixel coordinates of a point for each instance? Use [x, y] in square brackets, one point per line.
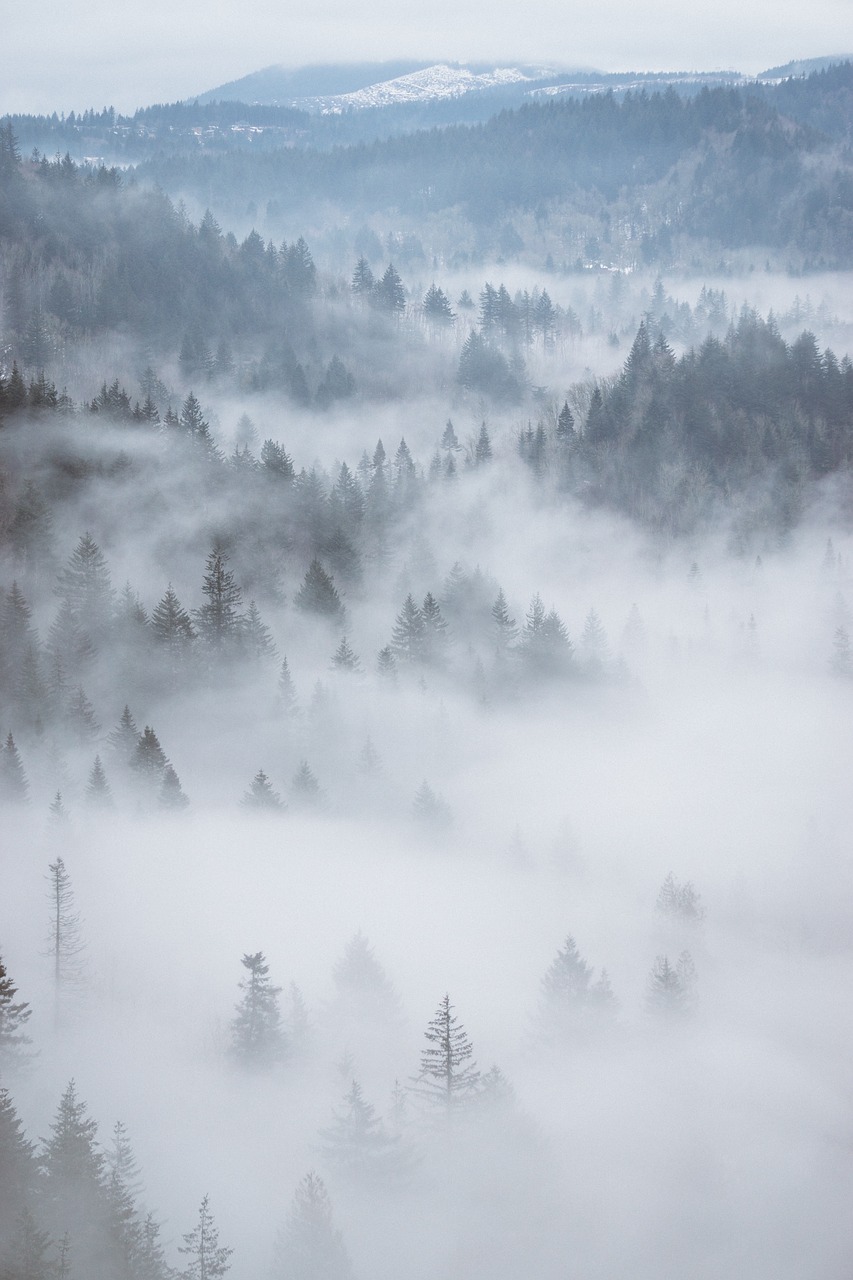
[713, 744]
[84, 56]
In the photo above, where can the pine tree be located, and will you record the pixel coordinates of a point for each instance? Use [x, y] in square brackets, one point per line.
[171, 795]
[261, 795]
[505, 629]
[305, 789]
[319, 595]
[386, 664]
[435, 631]
[357, 1143]
[124, 739]
[286, 690]
[14, 787]
[448, 1077]
[594, 649]
[430, 810]
[14, 1015]
[257, 637]
[670, 989]
[98, 793]
[257, 1036]
[74, 1172]
[571, 1004]
[20, 1170]
[409, 632]
[84, 586]
[171, 627]
[80, 716]
[206, 1258]
[219, 621]
[149, 761]
[309, 1247]
[65, 942]
[344, 659]
[483, 448]
[680, 902]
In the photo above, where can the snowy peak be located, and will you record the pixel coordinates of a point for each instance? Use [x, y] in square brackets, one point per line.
[429, 85]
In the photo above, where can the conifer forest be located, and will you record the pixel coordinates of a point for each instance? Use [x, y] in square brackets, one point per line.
[426, 685]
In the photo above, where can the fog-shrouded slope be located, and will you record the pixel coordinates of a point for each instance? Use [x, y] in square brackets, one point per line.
[720, 168]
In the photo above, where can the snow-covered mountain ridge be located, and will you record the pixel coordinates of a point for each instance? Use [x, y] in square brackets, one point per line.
[429, 85]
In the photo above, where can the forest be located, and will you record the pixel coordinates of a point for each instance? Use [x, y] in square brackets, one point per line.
[425, 687]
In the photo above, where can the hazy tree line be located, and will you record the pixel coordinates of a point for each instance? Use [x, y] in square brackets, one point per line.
[722, 166]
[74, 1205]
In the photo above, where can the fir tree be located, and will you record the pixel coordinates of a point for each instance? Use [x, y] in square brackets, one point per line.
[261, 795]
[171, 794]
[98, 793]
[257, 637]
[309, 1247]
[257, 1036]
[344, 659]
[14, 787]
[206, 1258]
[219, 621]
[65, 942]
[14, 1015]
[319, 595]
[124, 739]
[305, 789]
[84, 586]
[448, 1077]
[430, 810]
[409, 632]
[357, 1143]
[286, 690]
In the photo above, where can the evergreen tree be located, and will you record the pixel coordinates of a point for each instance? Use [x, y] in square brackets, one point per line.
[505, 629]
[571, 1004]
[257, 1036]
[435, 631]
[389, 294]
[20, 1171]
[124, 739]
[408, 637]
[386, 664]
[206, 1258]
[84, 586]
[680, 902]
[594, 648]
[14, 787]
[171, 627]
[257, 637]
[305, 789]
[319, 595]
[149, 761]
[430, 810]
[344, 659]
[448, 1077]
[670, 991]
[80, 716]
[98, 793]
[483, 448]
[14, 1015]
[286, 690]
[261, 795]
[171, 794]
[437, 309]
[362, 279]
[310, 1247]
[357, 1143]
[65, 941]
[75, 1188]
[219, 621]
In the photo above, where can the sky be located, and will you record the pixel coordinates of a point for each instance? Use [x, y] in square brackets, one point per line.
[96, 53]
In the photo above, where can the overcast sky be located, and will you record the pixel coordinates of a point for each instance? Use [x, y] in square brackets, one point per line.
[95, 52]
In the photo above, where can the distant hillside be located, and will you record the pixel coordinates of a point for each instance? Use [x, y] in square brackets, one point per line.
[804, 67]
[277, 85]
